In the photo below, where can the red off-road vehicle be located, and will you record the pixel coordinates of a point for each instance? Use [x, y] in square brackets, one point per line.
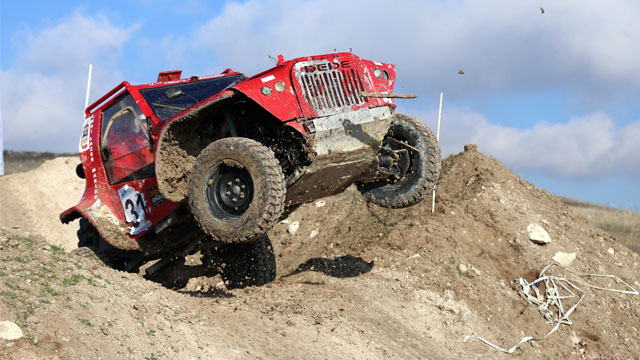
[183, 165]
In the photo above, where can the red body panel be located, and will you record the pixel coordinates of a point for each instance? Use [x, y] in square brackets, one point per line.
[283, 105]
[286, 105]
[314, 86]
[98, 187]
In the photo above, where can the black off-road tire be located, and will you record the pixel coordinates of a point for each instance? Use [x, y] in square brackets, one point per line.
[217, 172]
[288, 210]
[86, 253]
[242, 265]
[423, 172]
[92, 246]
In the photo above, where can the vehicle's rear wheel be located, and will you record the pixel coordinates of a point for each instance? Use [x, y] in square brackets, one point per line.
[236, 190]
[92, 246]
[242, 265]
[412, 157]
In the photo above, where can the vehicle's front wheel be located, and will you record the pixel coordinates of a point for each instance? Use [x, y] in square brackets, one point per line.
[411, 159]
[236, 190]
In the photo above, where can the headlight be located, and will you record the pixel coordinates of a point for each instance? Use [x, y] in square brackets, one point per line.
[266, 91]
[279, 86]
[377, 73]
[385, 75]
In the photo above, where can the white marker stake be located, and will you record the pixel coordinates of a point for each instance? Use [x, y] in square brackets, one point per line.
[433, 201]
[1, 148]
[86, 99]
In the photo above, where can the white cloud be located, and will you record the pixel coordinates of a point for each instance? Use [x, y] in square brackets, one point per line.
[576, 47]
[591, 146]
[579, 46]
[42, 94]
[502, 45]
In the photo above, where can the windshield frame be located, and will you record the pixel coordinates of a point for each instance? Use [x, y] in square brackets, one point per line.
[195, 92]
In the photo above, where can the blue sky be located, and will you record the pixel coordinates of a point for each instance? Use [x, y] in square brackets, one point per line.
[553, 96]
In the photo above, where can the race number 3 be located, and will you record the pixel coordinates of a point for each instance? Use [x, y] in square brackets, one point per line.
[133, 204]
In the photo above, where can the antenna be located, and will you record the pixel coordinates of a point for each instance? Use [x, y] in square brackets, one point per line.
[86, 99]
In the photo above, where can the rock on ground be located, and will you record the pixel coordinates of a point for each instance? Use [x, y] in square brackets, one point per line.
[538, 234]
[9, 330]
[564, 259]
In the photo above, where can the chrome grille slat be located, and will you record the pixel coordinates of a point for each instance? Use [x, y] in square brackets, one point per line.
[331, 91]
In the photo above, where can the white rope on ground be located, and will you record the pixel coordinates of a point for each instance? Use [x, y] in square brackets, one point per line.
[553, 284]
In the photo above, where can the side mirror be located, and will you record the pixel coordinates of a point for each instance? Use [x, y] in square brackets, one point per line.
[173, 93]
[80, 171]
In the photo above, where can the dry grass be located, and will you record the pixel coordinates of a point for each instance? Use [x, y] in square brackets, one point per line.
[623, 224]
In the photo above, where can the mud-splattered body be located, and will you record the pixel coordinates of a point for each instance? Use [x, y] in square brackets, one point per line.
[322, 118]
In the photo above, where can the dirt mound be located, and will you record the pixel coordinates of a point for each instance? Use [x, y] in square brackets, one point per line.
[21, 161]
[32, 200]
[354, 281]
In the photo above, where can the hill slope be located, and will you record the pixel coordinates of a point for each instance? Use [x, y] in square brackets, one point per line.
[354, 281]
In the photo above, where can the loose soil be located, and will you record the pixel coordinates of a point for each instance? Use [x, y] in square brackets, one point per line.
[354, 281]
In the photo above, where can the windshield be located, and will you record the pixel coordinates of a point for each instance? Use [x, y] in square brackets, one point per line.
[192, 93]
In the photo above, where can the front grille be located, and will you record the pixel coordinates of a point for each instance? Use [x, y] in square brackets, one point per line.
[331, 90]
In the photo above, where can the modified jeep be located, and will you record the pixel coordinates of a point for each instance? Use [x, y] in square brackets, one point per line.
[211, 163]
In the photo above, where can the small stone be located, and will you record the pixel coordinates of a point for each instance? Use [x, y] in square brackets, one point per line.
[538, 235]
[414, 256]
[449, 294]
[320, 203]
[611, 251]
[463, 268]
[502, 202]
[574, 339]
[564, 259]
[313, 234]
[592, 354]
[46, 248]
[9, 330]
[545, 222]
[293, 227]
[16, 227]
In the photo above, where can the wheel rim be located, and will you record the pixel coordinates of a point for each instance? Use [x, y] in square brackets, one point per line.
[228, 191]
[407, 161]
